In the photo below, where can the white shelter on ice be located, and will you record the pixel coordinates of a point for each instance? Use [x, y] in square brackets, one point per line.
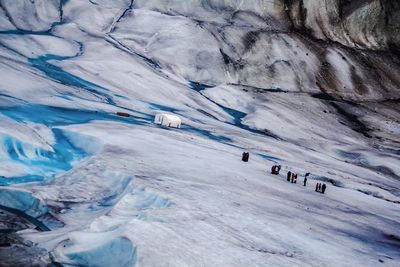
[168, 120]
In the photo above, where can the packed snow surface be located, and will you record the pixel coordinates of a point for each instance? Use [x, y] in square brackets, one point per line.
[82, 186]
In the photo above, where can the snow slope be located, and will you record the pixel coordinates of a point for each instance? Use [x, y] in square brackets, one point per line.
[80, 185]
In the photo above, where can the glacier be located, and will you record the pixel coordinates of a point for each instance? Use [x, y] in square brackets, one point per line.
[309, 85]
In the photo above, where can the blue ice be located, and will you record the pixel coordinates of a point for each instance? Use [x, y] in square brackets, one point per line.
[116, 252]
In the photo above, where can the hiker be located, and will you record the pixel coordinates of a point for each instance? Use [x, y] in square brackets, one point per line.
[289, 174]
[307, 174]
[323, 188]
[319, 187]
[295, 178]
[305, 180]
[316, 187]
[292, 178]
[275, 170]
[245, 156]
[279, 168]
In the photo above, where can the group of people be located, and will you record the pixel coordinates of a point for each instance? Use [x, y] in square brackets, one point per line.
[245, 156]
[320, 187]
[276, 169]
[291, 176]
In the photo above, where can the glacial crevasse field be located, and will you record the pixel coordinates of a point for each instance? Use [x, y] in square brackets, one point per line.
[311, 85]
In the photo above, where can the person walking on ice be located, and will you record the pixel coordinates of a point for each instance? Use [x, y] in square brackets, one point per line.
[289, 175]
[323, 189]
[305, 178]
[245, 156]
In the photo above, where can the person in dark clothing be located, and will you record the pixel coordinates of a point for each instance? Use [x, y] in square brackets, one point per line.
[292, 178]
[319, 187]
[323, 188]
[279, 168]
[305, 181]
[245, 156]
[289, 174]
[295, 178]
[307, 174]
[316, 187]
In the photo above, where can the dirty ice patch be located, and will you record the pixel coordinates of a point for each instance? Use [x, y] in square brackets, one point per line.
[28, 207]
[342, 69]
[5, 23]
[215, 11]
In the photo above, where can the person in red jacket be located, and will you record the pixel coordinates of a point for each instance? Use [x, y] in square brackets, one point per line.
[275, 169]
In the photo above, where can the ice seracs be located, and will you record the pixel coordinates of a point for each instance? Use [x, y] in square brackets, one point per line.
[168, 120]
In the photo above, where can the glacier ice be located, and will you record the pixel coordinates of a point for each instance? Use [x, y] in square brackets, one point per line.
[309, 85]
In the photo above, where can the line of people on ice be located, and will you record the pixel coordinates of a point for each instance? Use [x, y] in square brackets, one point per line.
[291, 176]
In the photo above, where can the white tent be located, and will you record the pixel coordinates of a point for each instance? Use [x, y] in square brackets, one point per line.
[168, 120]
